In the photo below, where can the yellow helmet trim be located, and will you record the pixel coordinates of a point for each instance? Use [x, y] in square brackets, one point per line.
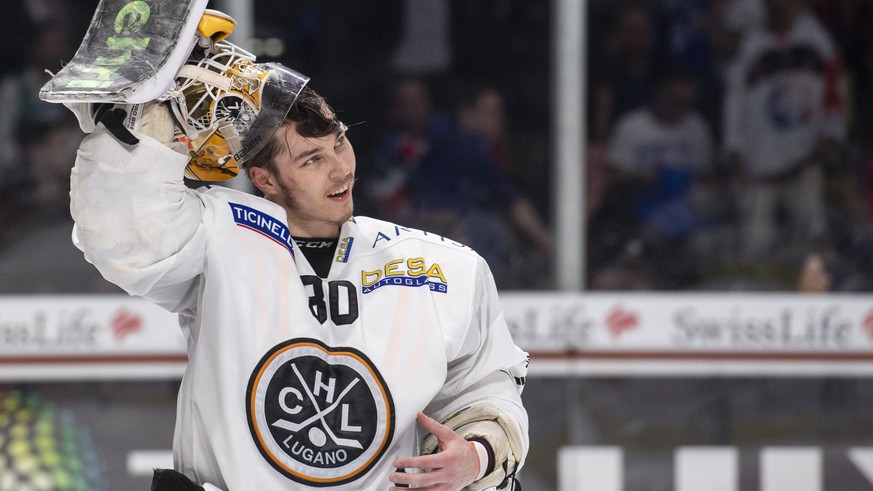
[211, 159]
[216, 25]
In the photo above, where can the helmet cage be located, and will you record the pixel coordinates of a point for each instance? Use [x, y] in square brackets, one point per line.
[202, 98]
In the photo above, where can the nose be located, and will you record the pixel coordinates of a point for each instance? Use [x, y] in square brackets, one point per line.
[342, 167]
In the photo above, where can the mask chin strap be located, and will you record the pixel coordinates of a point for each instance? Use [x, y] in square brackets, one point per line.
[205, 75]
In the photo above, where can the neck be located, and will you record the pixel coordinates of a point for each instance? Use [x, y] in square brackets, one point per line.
[320, 230]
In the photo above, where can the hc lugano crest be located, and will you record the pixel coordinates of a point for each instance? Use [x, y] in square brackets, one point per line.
[321, 416]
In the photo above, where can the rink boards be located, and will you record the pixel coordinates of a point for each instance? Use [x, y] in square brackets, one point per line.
[567, 334]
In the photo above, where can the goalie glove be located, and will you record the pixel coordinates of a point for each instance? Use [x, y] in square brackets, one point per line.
[126, 122]
[486, 423]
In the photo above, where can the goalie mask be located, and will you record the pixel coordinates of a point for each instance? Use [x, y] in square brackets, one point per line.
[229, 107]
[226, 105]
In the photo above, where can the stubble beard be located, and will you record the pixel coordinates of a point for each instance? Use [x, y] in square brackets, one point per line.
[287, 201]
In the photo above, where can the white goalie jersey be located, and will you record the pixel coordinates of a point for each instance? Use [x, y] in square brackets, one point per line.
[294, 381]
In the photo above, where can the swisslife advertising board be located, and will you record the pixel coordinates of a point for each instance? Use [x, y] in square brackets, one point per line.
[678, 392]
[87, 337]
[693, 334]
[48, 337]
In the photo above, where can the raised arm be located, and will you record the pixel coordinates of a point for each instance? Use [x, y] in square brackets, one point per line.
[135, 219]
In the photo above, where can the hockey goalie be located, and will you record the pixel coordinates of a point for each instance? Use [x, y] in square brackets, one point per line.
[326, 350]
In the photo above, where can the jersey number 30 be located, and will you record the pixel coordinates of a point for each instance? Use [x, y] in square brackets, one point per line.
[342, 300]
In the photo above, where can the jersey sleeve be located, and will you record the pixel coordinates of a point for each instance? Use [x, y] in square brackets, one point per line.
[135, 220]
[488, 368]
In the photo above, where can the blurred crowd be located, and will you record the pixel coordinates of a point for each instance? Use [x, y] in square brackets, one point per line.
[729, 145]
[728, 141]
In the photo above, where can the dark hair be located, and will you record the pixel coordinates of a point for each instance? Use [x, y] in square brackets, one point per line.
[311, 116]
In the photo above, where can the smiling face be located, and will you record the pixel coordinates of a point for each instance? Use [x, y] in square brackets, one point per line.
[312, 178]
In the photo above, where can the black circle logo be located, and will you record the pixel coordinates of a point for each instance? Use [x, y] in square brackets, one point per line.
[321, 416]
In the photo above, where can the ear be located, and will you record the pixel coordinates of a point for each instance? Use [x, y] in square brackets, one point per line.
[263, 179]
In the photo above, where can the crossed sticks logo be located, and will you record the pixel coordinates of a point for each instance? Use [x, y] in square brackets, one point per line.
[321, 416]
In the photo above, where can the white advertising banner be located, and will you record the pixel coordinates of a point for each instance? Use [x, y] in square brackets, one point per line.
[627, 334]
[87, 337]
[693, 334]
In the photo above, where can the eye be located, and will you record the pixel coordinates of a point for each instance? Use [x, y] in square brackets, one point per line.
[340, 140]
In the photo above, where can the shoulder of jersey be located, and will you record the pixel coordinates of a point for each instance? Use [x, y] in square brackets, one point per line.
[812, 30]
[230, 195]
[384, 234]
